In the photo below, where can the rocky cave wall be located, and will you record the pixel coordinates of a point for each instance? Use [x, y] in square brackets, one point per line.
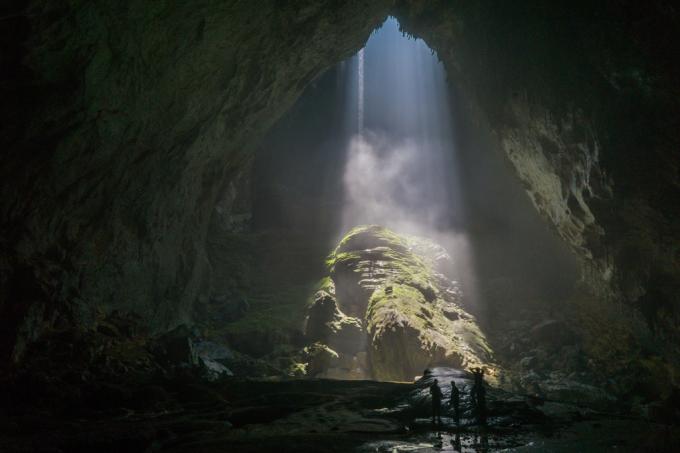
[124, 120]
[128, 119]
[583, 99]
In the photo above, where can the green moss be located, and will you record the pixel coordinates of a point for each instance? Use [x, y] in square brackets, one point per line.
[405, 311]
[297, 369]
[326, 284]
[342, 258]
[409, 268]
[404, 299]
[319, 358]
[369, 236]
[411, 273]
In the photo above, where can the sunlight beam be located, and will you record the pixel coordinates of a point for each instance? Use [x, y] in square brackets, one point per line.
[402, 166]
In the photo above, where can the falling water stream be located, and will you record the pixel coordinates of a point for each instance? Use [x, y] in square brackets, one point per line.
[360, 93]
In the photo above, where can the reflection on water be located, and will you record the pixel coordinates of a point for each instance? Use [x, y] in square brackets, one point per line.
[474, 441]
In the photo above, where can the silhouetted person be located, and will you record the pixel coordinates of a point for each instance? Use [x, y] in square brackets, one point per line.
[481, 405]
[478, 395]
[455, 402]
[436, 393]
[473, 390]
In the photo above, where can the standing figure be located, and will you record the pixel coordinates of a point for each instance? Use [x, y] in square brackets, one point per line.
[481, 404]
[436, 393]
[455, 402]
[478, 396]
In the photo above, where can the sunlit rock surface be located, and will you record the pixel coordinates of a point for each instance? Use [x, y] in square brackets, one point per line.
[406, 315]
[559, 164]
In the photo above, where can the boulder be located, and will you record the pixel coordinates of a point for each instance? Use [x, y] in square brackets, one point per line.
[214, 370]
[327, 324]
[323, 311]
[176, 348]
[412, 314]
[320, 358]
[211, 355]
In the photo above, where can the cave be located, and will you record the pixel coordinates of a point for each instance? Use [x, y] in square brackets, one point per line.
[239, 226]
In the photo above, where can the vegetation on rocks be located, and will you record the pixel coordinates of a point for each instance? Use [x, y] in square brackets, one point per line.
[411, 315]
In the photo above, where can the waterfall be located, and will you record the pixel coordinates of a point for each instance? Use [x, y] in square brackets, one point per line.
[360, 93]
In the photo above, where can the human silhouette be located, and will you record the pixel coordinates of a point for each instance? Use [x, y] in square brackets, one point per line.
[455, 402]
[436, 393]
[478, 395]
[481, 404]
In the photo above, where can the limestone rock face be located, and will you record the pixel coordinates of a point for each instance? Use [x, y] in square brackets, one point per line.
[133, 121]
[560, 164]
[578, 108]
[410, 314]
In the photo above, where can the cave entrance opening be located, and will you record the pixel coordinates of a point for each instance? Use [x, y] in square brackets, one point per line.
[401, 170]
[382, 138]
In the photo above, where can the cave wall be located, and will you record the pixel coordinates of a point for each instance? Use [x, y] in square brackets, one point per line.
[583, 99]
[124, 122]
[128, 117]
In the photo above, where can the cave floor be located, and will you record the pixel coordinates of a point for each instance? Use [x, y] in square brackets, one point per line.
[325, 415]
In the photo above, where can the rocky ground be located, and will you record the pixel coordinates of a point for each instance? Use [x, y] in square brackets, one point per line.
[233, 414]
[563, 354]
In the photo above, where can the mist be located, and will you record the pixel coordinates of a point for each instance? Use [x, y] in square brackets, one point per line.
[383, 138]
[386, 182]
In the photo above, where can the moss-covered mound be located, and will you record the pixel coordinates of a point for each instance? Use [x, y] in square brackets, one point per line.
[411, 315]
